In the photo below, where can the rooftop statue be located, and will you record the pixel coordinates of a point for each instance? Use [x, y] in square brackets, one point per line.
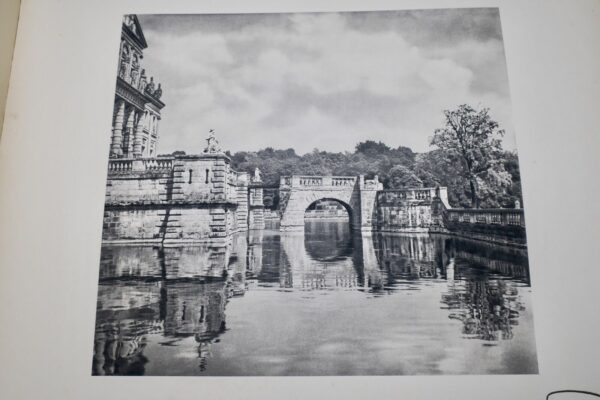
[150, 86]
[256, 175]
[130, 23]
[212, 144]
[158, 92]
[142, 85]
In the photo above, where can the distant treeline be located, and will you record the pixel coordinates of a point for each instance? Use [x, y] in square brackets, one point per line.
[396, 168]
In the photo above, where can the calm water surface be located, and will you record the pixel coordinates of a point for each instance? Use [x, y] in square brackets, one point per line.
[324, 303]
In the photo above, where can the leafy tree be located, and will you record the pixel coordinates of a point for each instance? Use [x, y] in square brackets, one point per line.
[401, 177]
[472, 138]
[372, 148]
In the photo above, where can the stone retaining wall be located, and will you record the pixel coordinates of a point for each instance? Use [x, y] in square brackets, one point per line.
[189, 198]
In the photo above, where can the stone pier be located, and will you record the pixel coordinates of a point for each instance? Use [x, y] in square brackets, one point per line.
[188, 198]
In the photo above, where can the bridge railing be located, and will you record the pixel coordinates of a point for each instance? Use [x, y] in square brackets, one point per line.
[389, 196]
[317, 181]
[494, 216]
[412, 194]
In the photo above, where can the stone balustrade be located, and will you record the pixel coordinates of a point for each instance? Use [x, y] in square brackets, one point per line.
[343, 181]
[496, 216]
[156, 164]
[308, 181]
[411, 194]
[139, 165]
[119, 166]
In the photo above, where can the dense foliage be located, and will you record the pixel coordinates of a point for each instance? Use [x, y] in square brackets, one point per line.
[396, 168]
[467, 159]
[471, 141]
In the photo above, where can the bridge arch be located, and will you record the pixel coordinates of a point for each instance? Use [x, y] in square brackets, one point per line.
[303, 191]
[346, 206]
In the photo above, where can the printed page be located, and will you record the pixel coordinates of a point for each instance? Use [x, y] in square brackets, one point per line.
[392, 200]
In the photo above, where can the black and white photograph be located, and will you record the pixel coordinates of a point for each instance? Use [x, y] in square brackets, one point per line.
[313, 194]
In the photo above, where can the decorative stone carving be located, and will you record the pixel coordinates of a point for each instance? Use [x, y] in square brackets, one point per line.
[130, 23]
[143, 83]
[212, 144]
[124, 62]
[135, 67]
[150, 86]
[158, 92]
[256, 177]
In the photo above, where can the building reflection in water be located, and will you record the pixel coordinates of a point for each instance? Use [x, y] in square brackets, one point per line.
[180, 292]
[177, 292]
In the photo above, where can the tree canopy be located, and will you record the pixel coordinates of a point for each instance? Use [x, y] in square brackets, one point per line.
[467, 158]
[471, 141]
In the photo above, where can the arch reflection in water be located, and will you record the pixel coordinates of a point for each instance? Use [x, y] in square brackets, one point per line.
[326, 302]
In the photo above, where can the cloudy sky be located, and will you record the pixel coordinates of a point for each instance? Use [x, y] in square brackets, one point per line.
[323, 80]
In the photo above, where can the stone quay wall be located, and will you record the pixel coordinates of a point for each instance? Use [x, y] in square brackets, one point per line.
[190, 198]
[500, 225]
[427, 210]
[408, 210]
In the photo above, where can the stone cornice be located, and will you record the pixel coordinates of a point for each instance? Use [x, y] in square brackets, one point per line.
[130, 94]
[203, 156]
[156, 102]
[136, 97]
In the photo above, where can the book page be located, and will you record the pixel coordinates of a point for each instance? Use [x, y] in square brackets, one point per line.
[392, 200]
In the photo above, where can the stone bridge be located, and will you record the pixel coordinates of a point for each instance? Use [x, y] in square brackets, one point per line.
[355, 193]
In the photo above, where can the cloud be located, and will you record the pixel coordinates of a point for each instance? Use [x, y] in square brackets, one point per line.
[316, 80]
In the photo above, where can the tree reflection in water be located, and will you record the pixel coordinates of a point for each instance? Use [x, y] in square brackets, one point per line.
[482, 291]
[151, 296]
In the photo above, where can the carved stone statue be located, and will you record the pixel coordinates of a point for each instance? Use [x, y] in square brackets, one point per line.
[256, 177]
[158, 92]
[212, 144]
[130, 23]
[124, 62]
[150, 86]
[143, 82]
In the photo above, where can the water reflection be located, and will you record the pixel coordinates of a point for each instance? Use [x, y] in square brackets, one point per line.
[310, 306]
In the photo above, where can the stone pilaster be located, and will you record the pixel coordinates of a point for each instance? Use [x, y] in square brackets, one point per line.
[116, 149]
[137, 139]
[219, 180]
[129, 131]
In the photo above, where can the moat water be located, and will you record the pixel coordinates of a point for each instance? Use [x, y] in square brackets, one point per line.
[328, 302]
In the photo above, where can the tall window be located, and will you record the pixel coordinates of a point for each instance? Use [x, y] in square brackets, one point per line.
[206, 180]
[190, 177]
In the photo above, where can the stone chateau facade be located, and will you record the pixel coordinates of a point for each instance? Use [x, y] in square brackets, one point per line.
[183, 198]
[137, 98]
[196, 198]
